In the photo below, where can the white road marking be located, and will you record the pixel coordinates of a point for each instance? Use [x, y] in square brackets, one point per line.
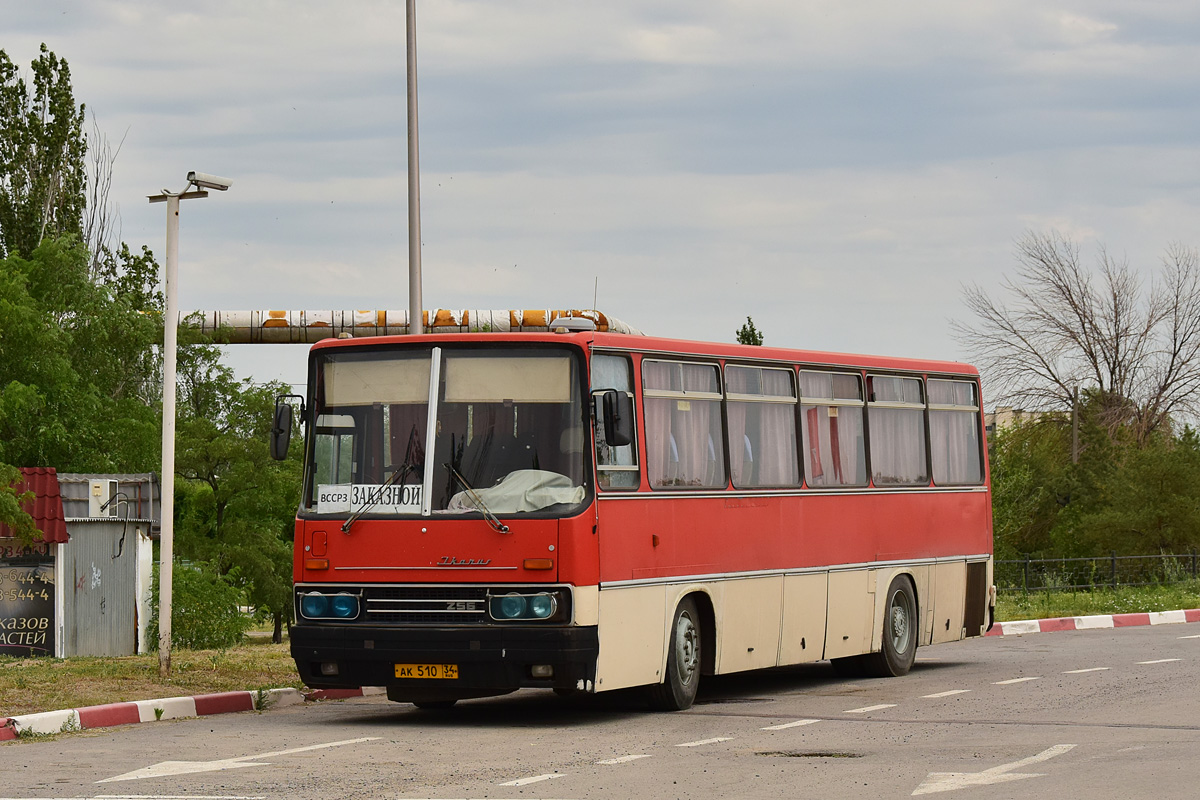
[186, 767]
[1160, 661]
[949, 781]
[1196, 636]
[865, 709]
[1081, 671]
[945, 694]
[623, 759]
[795, 724]
[535, 779]
[155, 797]
[706, 741]
[1017, 680]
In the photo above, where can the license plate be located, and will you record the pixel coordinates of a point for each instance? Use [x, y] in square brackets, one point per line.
[446, 671]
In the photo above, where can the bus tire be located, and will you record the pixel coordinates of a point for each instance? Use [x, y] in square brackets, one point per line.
[678, 689]
[900, 628]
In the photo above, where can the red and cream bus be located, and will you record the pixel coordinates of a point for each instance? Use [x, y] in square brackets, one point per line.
[590, 511]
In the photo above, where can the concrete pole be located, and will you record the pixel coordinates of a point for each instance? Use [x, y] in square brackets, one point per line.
[415, 321]
[166, 539]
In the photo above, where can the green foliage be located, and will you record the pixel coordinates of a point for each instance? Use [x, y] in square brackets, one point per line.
[42, 150]
[235, 507]
[1029, 475]
[204, 608]
[1126, 495]
[77, 364]
[748, 334]
[11, 514]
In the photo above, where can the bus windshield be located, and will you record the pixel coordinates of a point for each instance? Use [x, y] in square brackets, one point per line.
[507, 433]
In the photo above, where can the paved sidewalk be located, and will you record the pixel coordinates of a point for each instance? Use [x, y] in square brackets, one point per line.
[76, 719]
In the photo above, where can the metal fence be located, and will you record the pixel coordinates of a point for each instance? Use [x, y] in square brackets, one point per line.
[1111, 571]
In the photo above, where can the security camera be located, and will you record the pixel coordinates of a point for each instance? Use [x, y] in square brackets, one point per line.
[206, 181]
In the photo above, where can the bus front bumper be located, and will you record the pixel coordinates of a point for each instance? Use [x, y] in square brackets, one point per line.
[486, 660]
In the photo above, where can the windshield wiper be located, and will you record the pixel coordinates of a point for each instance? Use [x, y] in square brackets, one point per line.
[414, 454]
[377, 495]
[492, 519]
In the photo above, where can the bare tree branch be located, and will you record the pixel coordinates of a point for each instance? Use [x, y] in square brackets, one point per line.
[1065, 327]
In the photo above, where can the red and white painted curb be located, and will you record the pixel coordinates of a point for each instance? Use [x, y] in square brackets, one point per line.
[1024, 626]
[203, 705]
[105, 716]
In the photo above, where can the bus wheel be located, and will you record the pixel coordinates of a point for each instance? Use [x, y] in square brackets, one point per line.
[899, 649]
[678, 689]
[434, 705]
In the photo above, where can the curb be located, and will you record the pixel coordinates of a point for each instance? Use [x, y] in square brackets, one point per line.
[203, 705]
[137, 711]
[1024, 626]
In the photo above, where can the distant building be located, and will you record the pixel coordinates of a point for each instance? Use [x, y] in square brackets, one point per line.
[1004, 416]
[83, 588]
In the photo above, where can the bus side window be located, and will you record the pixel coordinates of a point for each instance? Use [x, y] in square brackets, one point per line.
[761, 406]
[896, 420]
[616, 466]
[954, 432]
[831, 419]
[684, 431]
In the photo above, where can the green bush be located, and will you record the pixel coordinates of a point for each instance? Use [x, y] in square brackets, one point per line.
[204, 609]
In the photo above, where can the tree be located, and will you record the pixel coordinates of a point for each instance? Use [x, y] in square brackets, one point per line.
[78, 373]
[1064, 327]
[748, 334]
[11, 513]
[236, 507]
[42, 151]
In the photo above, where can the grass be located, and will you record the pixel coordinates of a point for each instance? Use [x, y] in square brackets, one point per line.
[29, 685]
[1123, 600]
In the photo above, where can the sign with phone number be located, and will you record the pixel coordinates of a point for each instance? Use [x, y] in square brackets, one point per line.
[26, 609]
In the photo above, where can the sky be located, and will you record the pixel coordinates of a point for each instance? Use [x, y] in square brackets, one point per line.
[836, 170]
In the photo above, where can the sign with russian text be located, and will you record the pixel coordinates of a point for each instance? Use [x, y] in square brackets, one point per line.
[26, 608]
[369, 498]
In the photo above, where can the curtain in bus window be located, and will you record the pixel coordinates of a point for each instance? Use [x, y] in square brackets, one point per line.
[762, 435]
[833, 449]
[696, 425]
[662, 460]
[683, 435]
[954, 441]
[742, 449]
[898, 446]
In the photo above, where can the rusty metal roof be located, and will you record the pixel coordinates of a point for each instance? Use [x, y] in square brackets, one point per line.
[46, 508]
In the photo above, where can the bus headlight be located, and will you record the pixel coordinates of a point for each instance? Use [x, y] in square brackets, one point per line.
[314, 605]
[542, 606]
[509, 606]
[530, 605]
[345, 606]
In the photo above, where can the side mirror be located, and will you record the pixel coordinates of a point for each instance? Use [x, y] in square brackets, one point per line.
[281, 430]
[618, 418]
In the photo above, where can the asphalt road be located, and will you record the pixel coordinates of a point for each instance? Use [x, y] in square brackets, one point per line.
[1087, 714]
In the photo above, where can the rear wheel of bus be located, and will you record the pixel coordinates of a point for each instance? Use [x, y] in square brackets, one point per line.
[899, 650]
[678, 689]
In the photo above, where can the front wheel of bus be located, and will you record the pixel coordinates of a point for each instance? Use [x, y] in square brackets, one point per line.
[678, 689]
[899, 649]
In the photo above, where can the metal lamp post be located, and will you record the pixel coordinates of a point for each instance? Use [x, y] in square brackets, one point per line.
[415, 320]
[197, 183]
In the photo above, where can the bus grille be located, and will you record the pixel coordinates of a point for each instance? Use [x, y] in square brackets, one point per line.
[426, 605]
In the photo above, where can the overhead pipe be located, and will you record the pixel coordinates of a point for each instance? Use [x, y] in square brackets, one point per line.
[309, 326]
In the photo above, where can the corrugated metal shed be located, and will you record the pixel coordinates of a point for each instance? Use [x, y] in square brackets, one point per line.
[46, 508]
[131, 496]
